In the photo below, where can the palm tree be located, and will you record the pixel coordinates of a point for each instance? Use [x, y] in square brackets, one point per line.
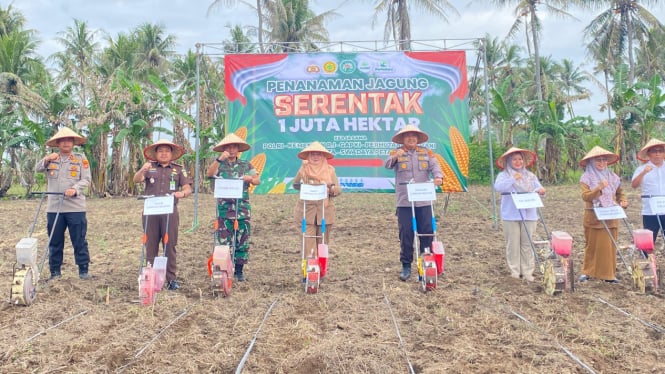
[605, 60]
[155, 48]
[21, 73]
[295, 27]
[10, 20]
[570, 80]
[217, 3]
[528, 9]
[651, 55]
[623, 22]
[239, 42]
[76, 62]
[398, 22]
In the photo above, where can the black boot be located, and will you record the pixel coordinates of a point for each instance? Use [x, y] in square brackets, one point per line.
[83, 272]
[55, 274]
[406, 272]
[238, 274]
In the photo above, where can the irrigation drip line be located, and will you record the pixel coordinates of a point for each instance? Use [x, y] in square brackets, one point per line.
[473, 198]
[154, 338]
[645, 323]
[57, 324]
[256, 334]
[561, 346]
[399, 335]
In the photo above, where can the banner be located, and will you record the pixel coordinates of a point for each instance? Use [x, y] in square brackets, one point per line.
[353, 103]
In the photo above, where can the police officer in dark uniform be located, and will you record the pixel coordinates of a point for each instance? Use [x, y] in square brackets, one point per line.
[67, 172]
[163, 177]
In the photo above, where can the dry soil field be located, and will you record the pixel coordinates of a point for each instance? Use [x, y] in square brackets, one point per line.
[363, 320]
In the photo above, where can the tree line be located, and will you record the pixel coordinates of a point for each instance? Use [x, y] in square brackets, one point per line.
[119, 90]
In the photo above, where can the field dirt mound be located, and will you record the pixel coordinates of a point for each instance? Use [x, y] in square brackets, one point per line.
[362, 320]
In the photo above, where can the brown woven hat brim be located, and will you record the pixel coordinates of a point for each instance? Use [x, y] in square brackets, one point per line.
[65, 133]
[399, 137]
[598, 151]
[529, 157]
[643, 154]
[229, 139]
[176, 150]
[314, 147]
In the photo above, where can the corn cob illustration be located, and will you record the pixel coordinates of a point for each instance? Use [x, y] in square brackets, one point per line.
[259, 162]
[242, 134]
[460, 150]
[450, 182]
[279, 188]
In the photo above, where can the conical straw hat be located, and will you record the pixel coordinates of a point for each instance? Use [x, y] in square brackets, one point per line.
[643, 154]
[231, 139]
[63, 133]
[529, 157]
[314, 147]
[176, 150]
[599, 151]
[399, 137]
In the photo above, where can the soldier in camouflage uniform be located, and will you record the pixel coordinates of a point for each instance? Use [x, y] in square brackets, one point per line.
[67, 172]
[229, 166]
[412, 163]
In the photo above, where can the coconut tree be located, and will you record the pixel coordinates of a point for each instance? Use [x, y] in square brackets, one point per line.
[259, 12]
[605, 59]
[295, 27]
[76, 63]
[398, 21]
[526, 15]
[10, 20]
[154, 49]
[570, 79]
[240, 42]
[20, 72]
[650, 56]
[620, 24]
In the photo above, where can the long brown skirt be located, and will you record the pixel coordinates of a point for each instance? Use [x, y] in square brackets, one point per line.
[600, 258]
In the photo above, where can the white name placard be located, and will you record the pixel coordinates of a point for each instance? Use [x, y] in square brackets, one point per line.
[313, 192]
[609, 212]
[421, 191]
[228, 188]
[657, 204]
[158, 205]
[527, 200]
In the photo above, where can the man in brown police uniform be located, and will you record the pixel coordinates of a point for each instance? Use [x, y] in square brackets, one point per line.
[163, 177]
[68, 173]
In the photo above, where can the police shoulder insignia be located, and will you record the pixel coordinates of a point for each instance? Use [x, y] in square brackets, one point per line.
[86, 164]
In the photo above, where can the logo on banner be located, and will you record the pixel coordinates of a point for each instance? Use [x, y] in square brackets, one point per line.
[347, 66]
[330, 67]
[384, 67]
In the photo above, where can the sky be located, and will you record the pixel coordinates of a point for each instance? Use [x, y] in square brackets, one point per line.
[189, 22]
